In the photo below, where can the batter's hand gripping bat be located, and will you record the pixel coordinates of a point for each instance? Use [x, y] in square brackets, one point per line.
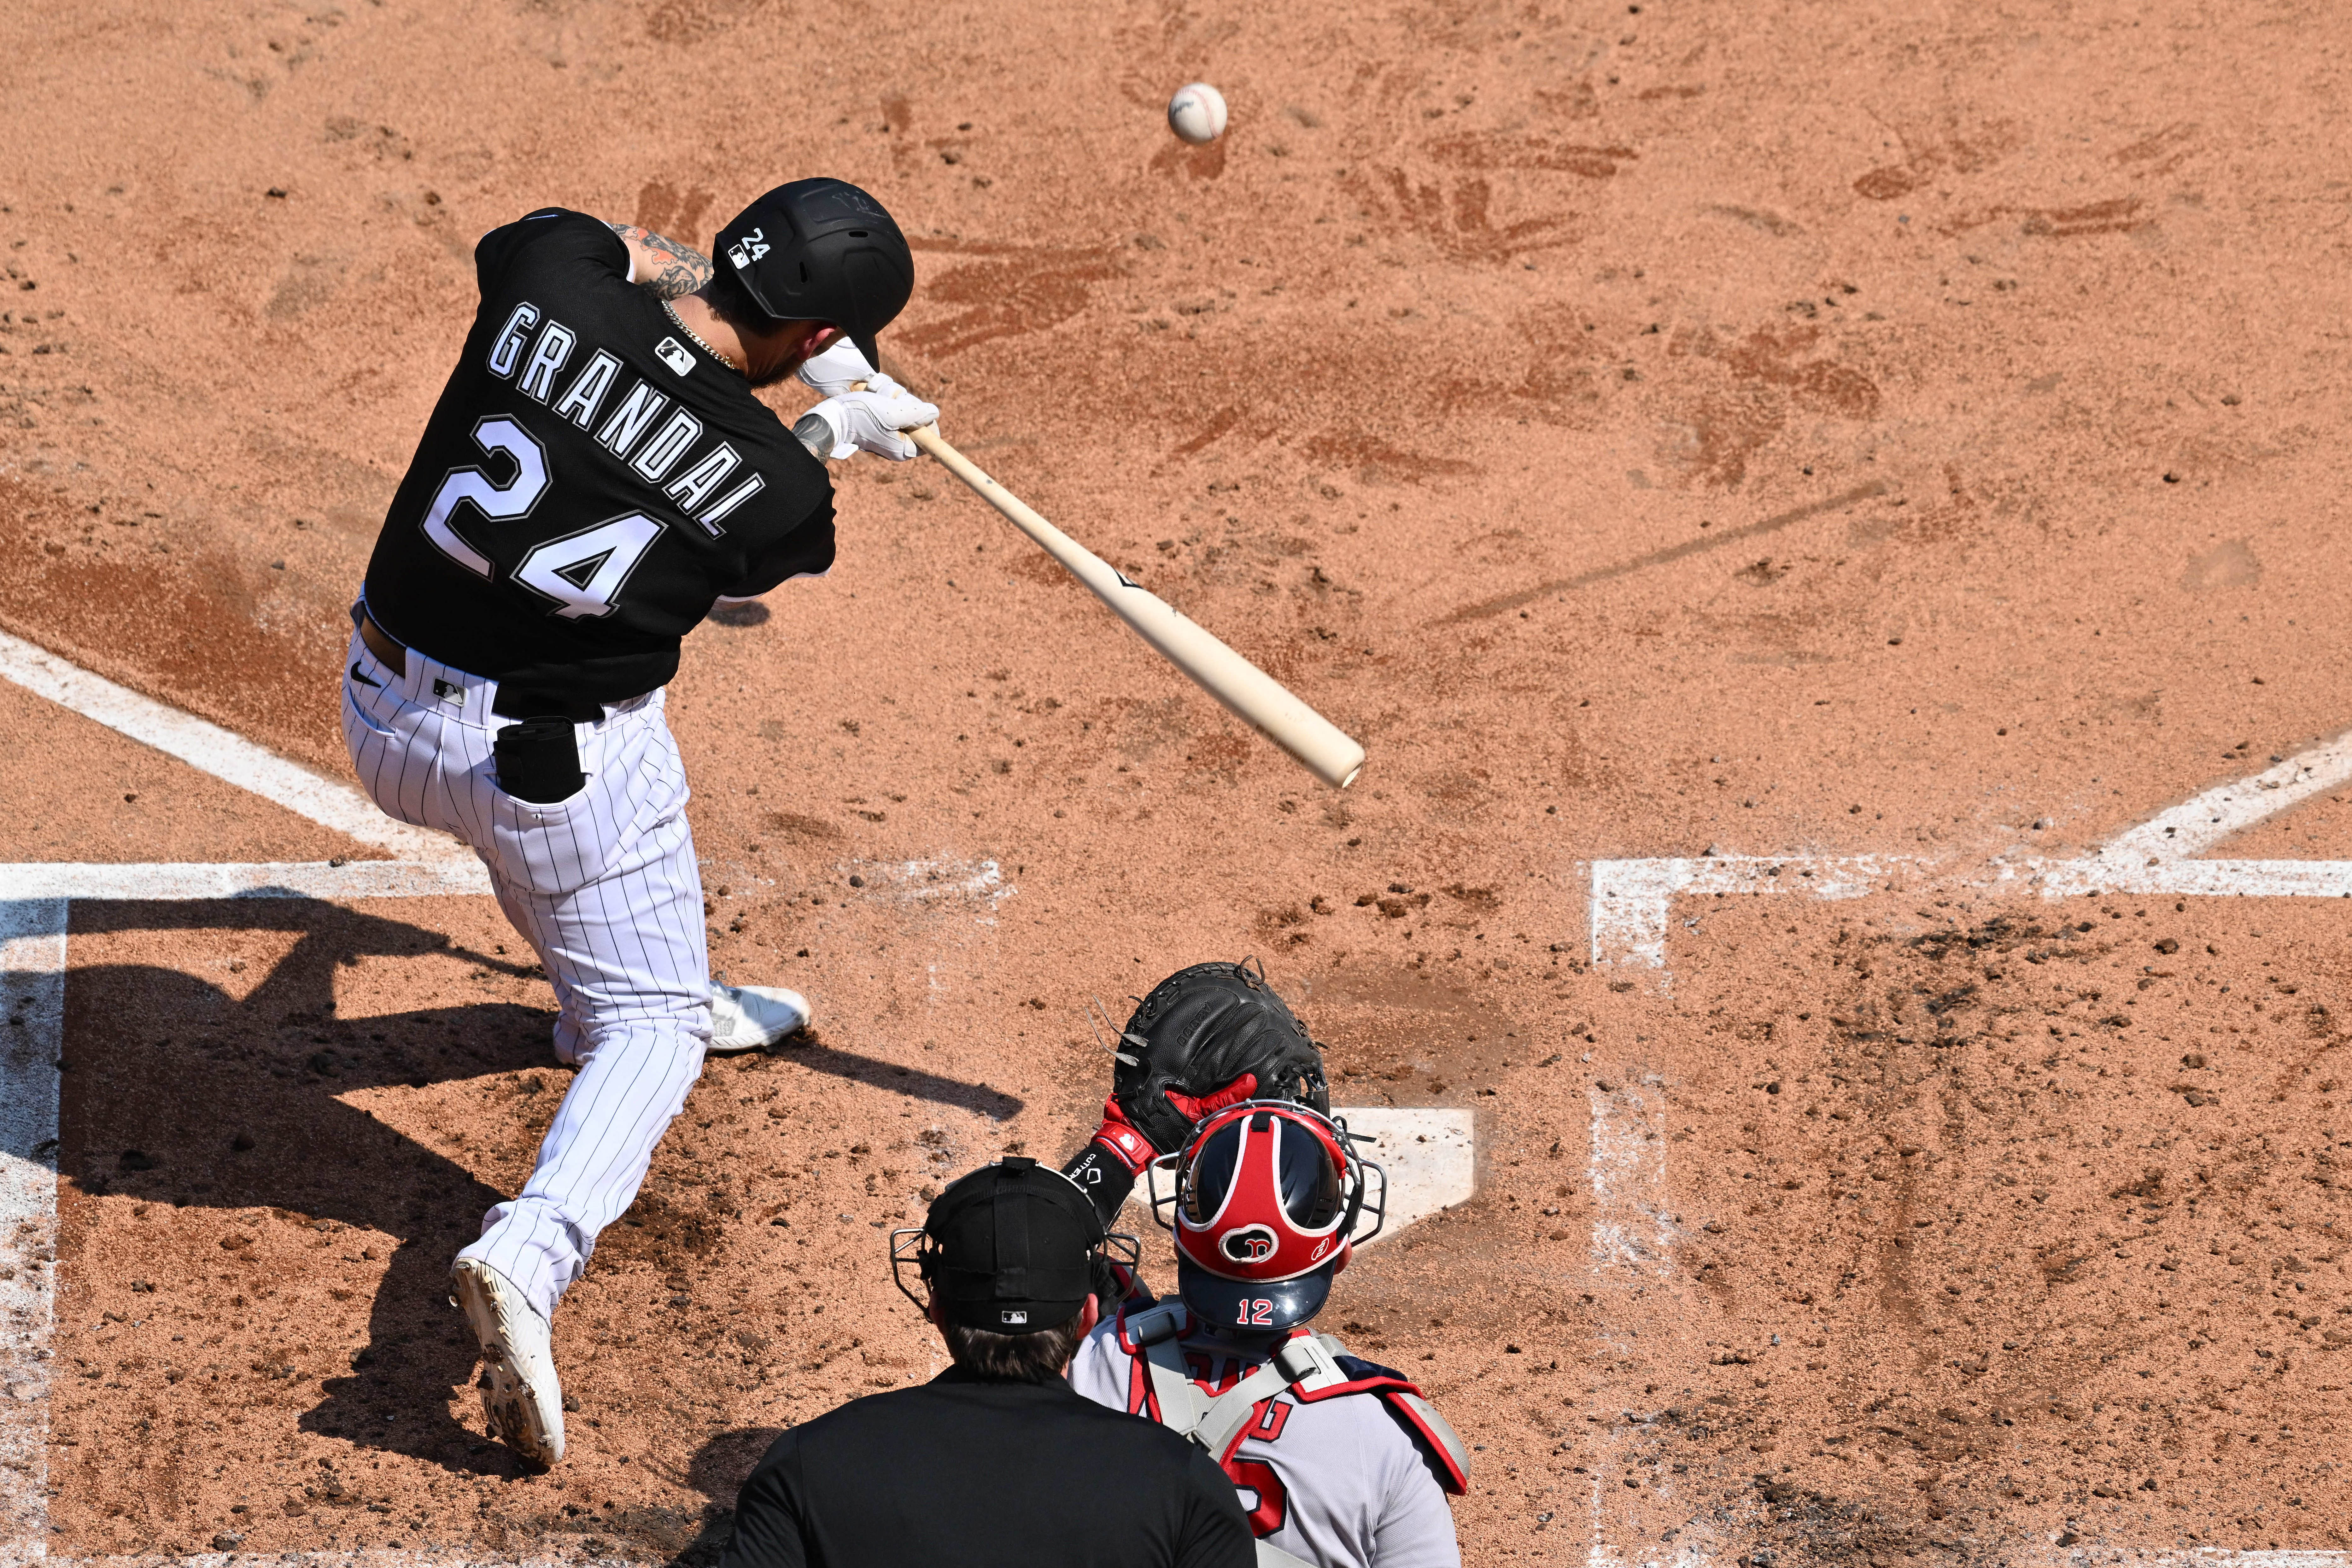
[1254, 696]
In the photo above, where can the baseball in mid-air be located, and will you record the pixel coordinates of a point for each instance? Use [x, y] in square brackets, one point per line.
[1197, 112]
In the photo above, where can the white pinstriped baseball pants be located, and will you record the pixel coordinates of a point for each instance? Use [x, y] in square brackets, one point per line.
[604, 887]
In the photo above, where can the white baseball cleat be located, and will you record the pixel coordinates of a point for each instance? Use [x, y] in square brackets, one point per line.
[522, 1401]
[746, 1017]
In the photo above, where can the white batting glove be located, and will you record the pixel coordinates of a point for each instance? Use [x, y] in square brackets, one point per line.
[870, 421]
[841, 366]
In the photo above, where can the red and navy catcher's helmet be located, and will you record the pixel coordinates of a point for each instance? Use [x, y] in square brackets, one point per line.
[1268, 1197]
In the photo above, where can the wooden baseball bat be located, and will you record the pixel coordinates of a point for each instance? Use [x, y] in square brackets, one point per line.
[1252, 695]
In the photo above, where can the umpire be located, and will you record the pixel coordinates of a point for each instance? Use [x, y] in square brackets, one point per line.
[996, 1461]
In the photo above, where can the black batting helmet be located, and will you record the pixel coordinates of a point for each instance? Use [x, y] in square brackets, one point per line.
[822, 250]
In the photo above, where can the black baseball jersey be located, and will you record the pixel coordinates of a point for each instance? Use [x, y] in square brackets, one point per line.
[590, 482]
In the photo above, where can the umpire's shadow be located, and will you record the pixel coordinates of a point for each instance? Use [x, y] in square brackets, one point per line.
[717, 1470]
[175, 1093]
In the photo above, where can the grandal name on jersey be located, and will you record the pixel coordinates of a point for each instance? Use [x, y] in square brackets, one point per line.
[623, 430]
[588, 484]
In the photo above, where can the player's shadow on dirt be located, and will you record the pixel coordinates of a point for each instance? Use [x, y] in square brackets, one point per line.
[811, 1052]
[177, 1093]
[690, 1539]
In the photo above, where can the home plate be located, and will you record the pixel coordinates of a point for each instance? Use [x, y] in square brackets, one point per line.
[1427, 1152]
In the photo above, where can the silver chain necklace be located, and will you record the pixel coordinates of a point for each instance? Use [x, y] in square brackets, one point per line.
[698, 343]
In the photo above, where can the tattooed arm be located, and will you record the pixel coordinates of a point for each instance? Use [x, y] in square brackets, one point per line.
[663, 266]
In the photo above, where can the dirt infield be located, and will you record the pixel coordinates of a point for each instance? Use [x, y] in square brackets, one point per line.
[2010, 1222]
[1651, 428]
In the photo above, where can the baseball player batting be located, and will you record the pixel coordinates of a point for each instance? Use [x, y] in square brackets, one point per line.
[595, 478]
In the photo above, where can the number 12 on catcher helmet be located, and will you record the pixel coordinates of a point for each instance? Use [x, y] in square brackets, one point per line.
[1266, 1201]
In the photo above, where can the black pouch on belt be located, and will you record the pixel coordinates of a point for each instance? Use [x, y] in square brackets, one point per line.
[538, 759]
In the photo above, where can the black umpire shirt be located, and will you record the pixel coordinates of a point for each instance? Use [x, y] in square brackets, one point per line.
[987, 1475]
[590, 482]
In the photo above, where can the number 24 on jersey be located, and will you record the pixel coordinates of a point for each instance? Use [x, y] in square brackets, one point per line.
[583, 573]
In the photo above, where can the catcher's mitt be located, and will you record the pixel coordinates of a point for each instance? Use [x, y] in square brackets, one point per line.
[1197, 1036]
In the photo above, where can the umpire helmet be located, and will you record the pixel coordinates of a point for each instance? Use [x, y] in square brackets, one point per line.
[822, 250]
[1267, 1198]
[1011, 1248]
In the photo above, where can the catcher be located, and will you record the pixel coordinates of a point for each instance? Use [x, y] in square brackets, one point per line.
[1340, 1462]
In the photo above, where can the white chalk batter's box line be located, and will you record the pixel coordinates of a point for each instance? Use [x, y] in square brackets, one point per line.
[35, 901]
[1631, 901]
[1630, 907]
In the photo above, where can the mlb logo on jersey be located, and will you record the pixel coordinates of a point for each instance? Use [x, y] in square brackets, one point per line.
[673, 354]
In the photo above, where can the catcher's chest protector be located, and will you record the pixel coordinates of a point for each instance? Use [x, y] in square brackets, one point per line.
[1312, 1367]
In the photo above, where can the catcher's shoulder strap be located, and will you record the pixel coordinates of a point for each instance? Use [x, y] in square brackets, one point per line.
[1437, 1435]
[1312, 1366]
[1217, 1425]
[1155, 1336]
